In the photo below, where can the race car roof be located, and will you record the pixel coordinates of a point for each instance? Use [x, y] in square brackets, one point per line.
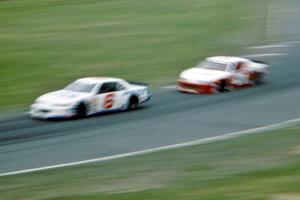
[227, 59]
[99, 79]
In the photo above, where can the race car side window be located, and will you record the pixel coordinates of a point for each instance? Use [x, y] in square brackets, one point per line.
[119, 87]
[240, 66]
[108, 87]
[230, 67]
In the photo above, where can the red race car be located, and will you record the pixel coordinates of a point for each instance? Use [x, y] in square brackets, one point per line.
[219, 73]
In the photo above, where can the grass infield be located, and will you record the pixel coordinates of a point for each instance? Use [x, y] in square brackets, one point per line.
[45, 44]
[253, 167]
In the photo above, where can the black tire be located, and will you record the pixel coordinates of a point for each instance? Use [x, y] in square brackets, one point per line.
[81, 110]
[133, 103]
[259, 78]
[222, 86]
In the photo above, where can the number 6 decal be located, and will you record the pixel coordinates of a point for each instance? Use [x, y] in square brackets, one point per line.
[109, 100]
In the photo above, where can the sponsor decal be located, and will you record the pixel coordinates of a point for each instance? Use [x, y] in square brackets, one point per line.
[94, 101]
[136, 91]
[109, 100]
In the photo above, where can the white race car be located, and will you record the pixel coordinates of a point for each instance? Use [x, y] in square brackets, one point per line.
[88, 96]
[217, 74]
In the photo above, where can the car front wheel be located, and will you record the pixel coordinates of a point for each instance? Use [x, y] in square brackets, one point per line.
[81, 110]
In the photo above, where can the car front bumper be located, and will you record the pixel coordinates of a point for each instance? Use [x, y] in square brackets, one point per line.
[44, 111]
[196, 88]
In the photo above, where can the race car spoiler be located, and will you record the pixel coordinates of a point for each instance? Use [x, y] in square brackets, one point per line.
[258, 61]
[138, 83]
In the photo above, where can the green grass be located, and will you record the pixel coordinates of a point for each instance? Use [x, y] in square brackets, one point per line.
[45, 44]
[253, 167]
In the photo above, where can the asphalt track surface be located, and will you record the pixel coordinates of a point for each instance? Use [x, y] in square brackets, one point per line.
[170, 118]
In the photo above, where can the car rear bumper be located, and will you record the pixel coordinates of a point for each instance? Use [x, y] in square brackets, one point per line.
[147, 98]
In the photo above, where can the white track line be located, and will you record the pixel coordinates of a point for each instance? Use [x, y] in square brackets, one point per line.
[151, 150]
[264, 55]
[169, 87]
[269, 46]
[290, 42]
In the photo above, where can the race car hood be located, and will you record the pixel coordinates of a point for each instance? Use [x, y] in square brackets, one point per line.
[203, 75]
[62, 97]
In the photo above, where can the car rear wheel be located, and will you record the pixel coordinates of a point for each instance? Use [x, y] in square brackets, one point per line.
[133, 103]
[222, 86]
[258, 78]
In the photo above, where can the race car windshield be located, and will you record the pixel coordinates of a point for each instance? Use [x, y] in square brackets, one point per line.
[79, 86]
[212, 65]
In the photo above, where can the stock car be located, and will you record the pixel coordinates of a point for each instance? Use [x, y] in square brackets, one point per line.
[222, 73]
[88, 96]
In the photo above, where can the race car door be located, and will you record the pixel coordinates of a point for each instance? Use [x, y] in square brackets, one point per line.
[240, 74]
[109, 96]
